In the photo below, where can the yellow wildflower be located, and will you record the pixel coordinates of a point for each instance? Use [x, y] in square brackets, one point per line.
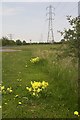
[76, 113]
[34, 90]
[2, 88]
[16, 95]
[31, 82]
[0, 107]
[19, 103]
[34, 93]
[29, 89]
[34, 60]
[38, 90]
[10, 91]
[5, 103]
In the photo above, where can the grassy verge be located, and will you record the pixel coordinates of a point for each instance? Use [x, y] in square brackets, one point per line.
[60, 101]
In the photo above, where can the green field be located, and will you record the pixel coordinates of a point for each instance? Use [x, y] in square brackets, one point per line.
[55, 67]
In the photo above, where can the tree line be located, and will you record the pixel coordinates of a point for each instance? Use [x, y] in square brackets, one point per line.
[6, 42]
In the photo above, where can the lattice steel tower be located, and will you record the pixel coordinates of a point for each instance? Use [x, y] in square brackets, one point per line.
[50, 37]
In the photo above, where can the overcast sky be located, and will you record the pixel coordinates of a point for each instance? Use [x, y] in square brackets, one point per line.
[27, 20]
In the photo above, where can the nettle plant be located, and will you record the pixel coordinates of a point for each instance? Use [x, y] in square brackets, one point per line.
[37, 88]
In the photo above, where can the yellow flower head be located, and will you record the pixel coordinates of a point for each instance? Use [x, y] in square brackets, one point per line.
[10, 91]
[76, 113]
[38, 90]
[34, 93]
[2, 88]
[29, 89]
[34, 60]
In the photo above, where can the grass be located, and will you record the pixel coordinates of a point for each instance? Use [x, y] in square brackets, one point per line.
[60, 72]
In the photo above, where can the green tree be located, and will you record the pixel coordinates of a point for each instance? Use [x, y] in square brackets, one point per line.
[11, 42]
[5, 41]
[24, 42]
[72, 35]
[18, 42]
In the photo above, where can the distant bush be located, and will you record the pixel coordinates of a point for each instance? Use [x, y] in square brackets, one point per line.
[18, 42]
[24, 42]
[5, 41]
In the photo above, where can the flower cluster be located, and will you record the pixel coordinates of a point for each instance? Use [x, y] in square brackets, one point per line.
[9, 90]
[76, 113]
[37, 87]
[35, 60]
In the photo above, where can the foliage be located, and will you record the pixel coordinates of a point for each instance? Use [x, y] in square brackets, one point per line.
[72, 35]
[18, 42]
[7, 42]
[4, 41]
[24, 42]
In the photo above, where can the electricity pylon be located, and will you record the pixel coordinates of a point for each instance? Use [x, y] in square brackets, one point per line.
[10, 36]
[50, 37]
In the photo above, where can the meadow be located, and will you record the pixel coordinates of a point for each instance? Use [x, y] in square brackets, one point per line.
[55, 67]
